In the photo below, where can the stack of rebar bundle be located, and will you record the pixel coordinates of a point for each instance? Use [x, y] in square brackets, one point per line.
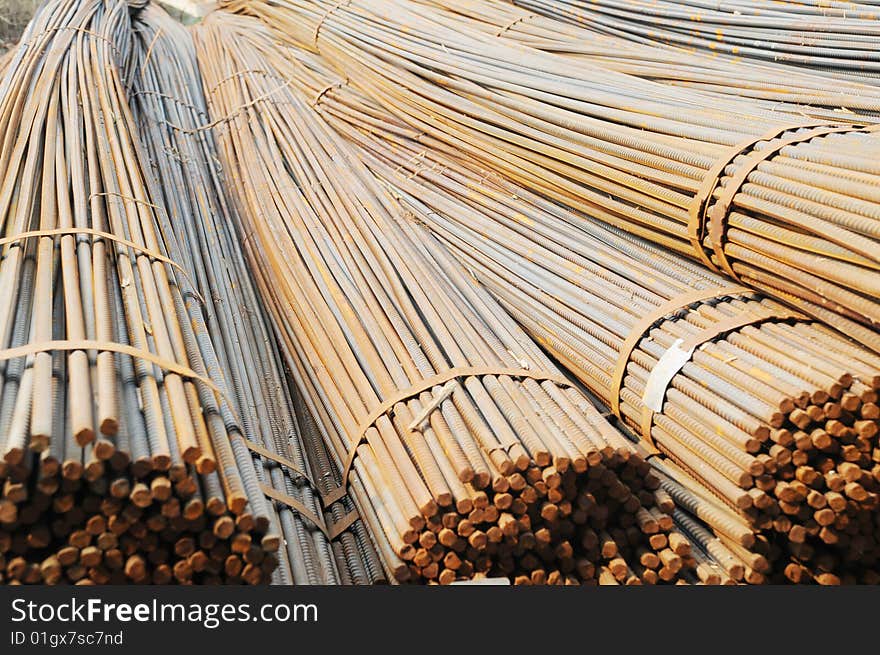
[775, 201]
[466, 451]
[767, 422]
[169, 107]
[321, 299]
[125, 456]
[110, 453]
[555, 27]
[836, 36]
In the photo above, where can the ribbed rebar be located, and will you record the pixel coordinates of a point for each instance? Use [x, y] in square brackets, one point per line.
[634, 153]
[486, 479]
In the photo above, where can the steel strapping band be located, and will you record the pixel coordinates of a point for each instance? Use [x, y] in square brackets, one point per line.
[283, 461]
[455, 373]
[643, 326]
[343, 524]
[661, 376]
[699, 218]
[167, 365]
[70, 345]
[330, 531]
[65, 231]
[164, 364]
[290, 501]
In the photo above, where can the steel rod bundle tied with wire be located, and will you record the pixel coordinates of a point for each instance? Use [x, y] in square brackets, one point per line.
[766, 421]
[464, 448]
[781, 203]
[169, 107]
[124, 453]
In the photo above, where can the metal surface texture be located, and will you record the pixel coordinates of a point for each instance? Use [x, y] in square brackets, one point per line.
[410, 291]
[114, 469]
[124, 431]
[835, 36]
[492, 473]
[760, 431]
[560, 28]
[169, 105]
[800, 225]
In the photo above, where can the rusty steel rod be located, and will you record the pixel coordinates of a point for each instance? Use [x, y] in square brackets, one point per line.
[99, 442]
[126, 406]
[768, 430]
[833, 36]
[279, 297]
[169, 106]
[560, 28]
[774, 200]
[466, 451]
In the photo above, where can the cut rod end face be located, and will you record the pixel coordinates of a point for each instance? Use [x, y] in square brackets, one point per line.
[109, 426]
[40, 442]
[271, 542]
[162, 461]
[237, 503]
[206, 465]
[191, 454]
[104, 448]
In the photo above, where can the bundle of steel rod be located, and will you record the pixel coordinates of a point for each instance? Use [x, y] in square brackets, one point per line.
[122, 457]
[767, 421]
[840, 37]
[169, 107]
[815, 93]
[466, 451]
[782, 204]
